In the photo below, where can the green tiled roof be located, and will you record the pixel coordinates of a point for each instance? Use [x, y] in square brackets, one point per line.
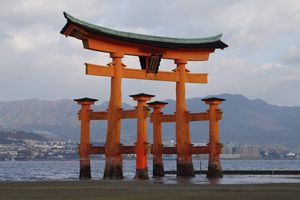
[207, 42]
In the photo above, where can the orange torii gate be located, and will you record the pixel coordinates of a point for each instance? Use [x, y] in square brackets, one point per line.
[150, 50]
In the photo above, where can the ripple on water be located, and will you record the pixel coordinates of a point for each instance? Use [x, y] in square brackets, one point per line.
[69, 170]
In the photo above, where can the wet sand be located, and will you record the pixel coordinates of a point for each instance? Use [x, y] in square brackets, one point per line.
[116, 190]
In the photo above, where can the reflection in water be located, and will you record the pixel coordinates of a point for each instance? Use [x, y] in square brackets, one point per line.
[69, 170]
[214, 181]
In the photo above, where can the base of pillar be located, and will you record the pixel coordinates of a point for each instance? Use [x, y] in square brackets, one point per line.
[185, 169]
[113, 172]
[113, 168]
[141, 174]
[214, 171]
[158, 170]
[85, 172]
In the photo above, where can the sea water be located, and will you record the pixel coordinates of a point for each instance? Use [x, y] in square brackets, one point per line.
[69, 170]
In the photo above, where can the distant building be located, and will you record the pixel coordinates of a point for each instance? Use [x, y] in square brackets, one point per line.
[248, 151]
[227, 149]
[12, 153]
[228, 152]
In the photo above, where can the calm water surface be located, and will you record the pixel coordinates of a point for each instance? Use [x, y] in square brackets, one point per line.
[69, 170]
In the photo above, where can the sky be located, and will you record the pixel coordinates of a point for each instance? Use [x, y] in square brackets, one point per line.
[262, 60]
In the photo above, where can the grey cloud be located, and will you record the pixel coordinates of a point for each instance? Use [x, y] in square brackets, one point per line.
[292, 56]
[39, 62]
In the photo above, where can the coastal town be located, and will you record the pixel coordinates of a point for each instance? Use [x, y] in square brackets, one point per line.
[67, 150]
[38, 150]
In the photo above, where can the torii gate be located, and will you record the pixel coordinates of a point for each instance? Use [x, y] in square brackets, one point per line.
[150, 50]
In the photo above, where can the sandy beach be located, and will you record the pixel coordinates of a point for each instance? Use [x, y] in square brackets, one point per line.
[89, 190]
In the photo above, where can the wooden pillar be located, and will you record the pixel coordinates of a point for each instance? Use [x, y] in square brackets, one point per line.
[113, 157]
[183, 144]
[158, 166]
[84, 146]
[214, 164]
[141, 145]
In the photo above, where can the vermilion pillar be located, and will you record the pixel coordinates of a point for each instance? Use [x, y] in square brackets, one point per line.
[141, 145]
[84, 147]
[183, 145]
[113, 157]
[158, 167]
[214, 164]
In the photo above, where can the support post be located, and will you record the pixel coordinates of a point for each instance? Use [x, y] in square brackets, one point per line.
[183, 144]
[214, 164]
[141, 145]
[158, 166]
[84, 146]
[113, 157]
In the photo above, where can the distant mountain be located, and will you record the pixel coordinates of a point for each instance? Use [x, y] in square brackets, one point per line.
[244, 121]
[12, 136]
[255, 121]
[56, 119]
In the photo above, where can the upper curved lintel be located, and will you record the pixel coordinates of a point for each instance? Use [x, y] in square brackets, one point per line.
[213, 42]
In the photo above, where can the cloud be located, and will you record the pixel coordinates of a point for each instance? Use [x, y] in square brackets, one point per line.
[263, 53]
[274, 82]
[292, 56]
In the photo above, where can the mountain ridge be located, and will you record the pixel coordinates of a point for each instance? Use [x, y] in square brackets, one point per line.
[244, 120]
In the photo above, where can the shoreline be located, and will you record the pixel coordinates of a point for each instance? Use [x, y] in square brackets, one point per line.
[51, 190]
[165, 158]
